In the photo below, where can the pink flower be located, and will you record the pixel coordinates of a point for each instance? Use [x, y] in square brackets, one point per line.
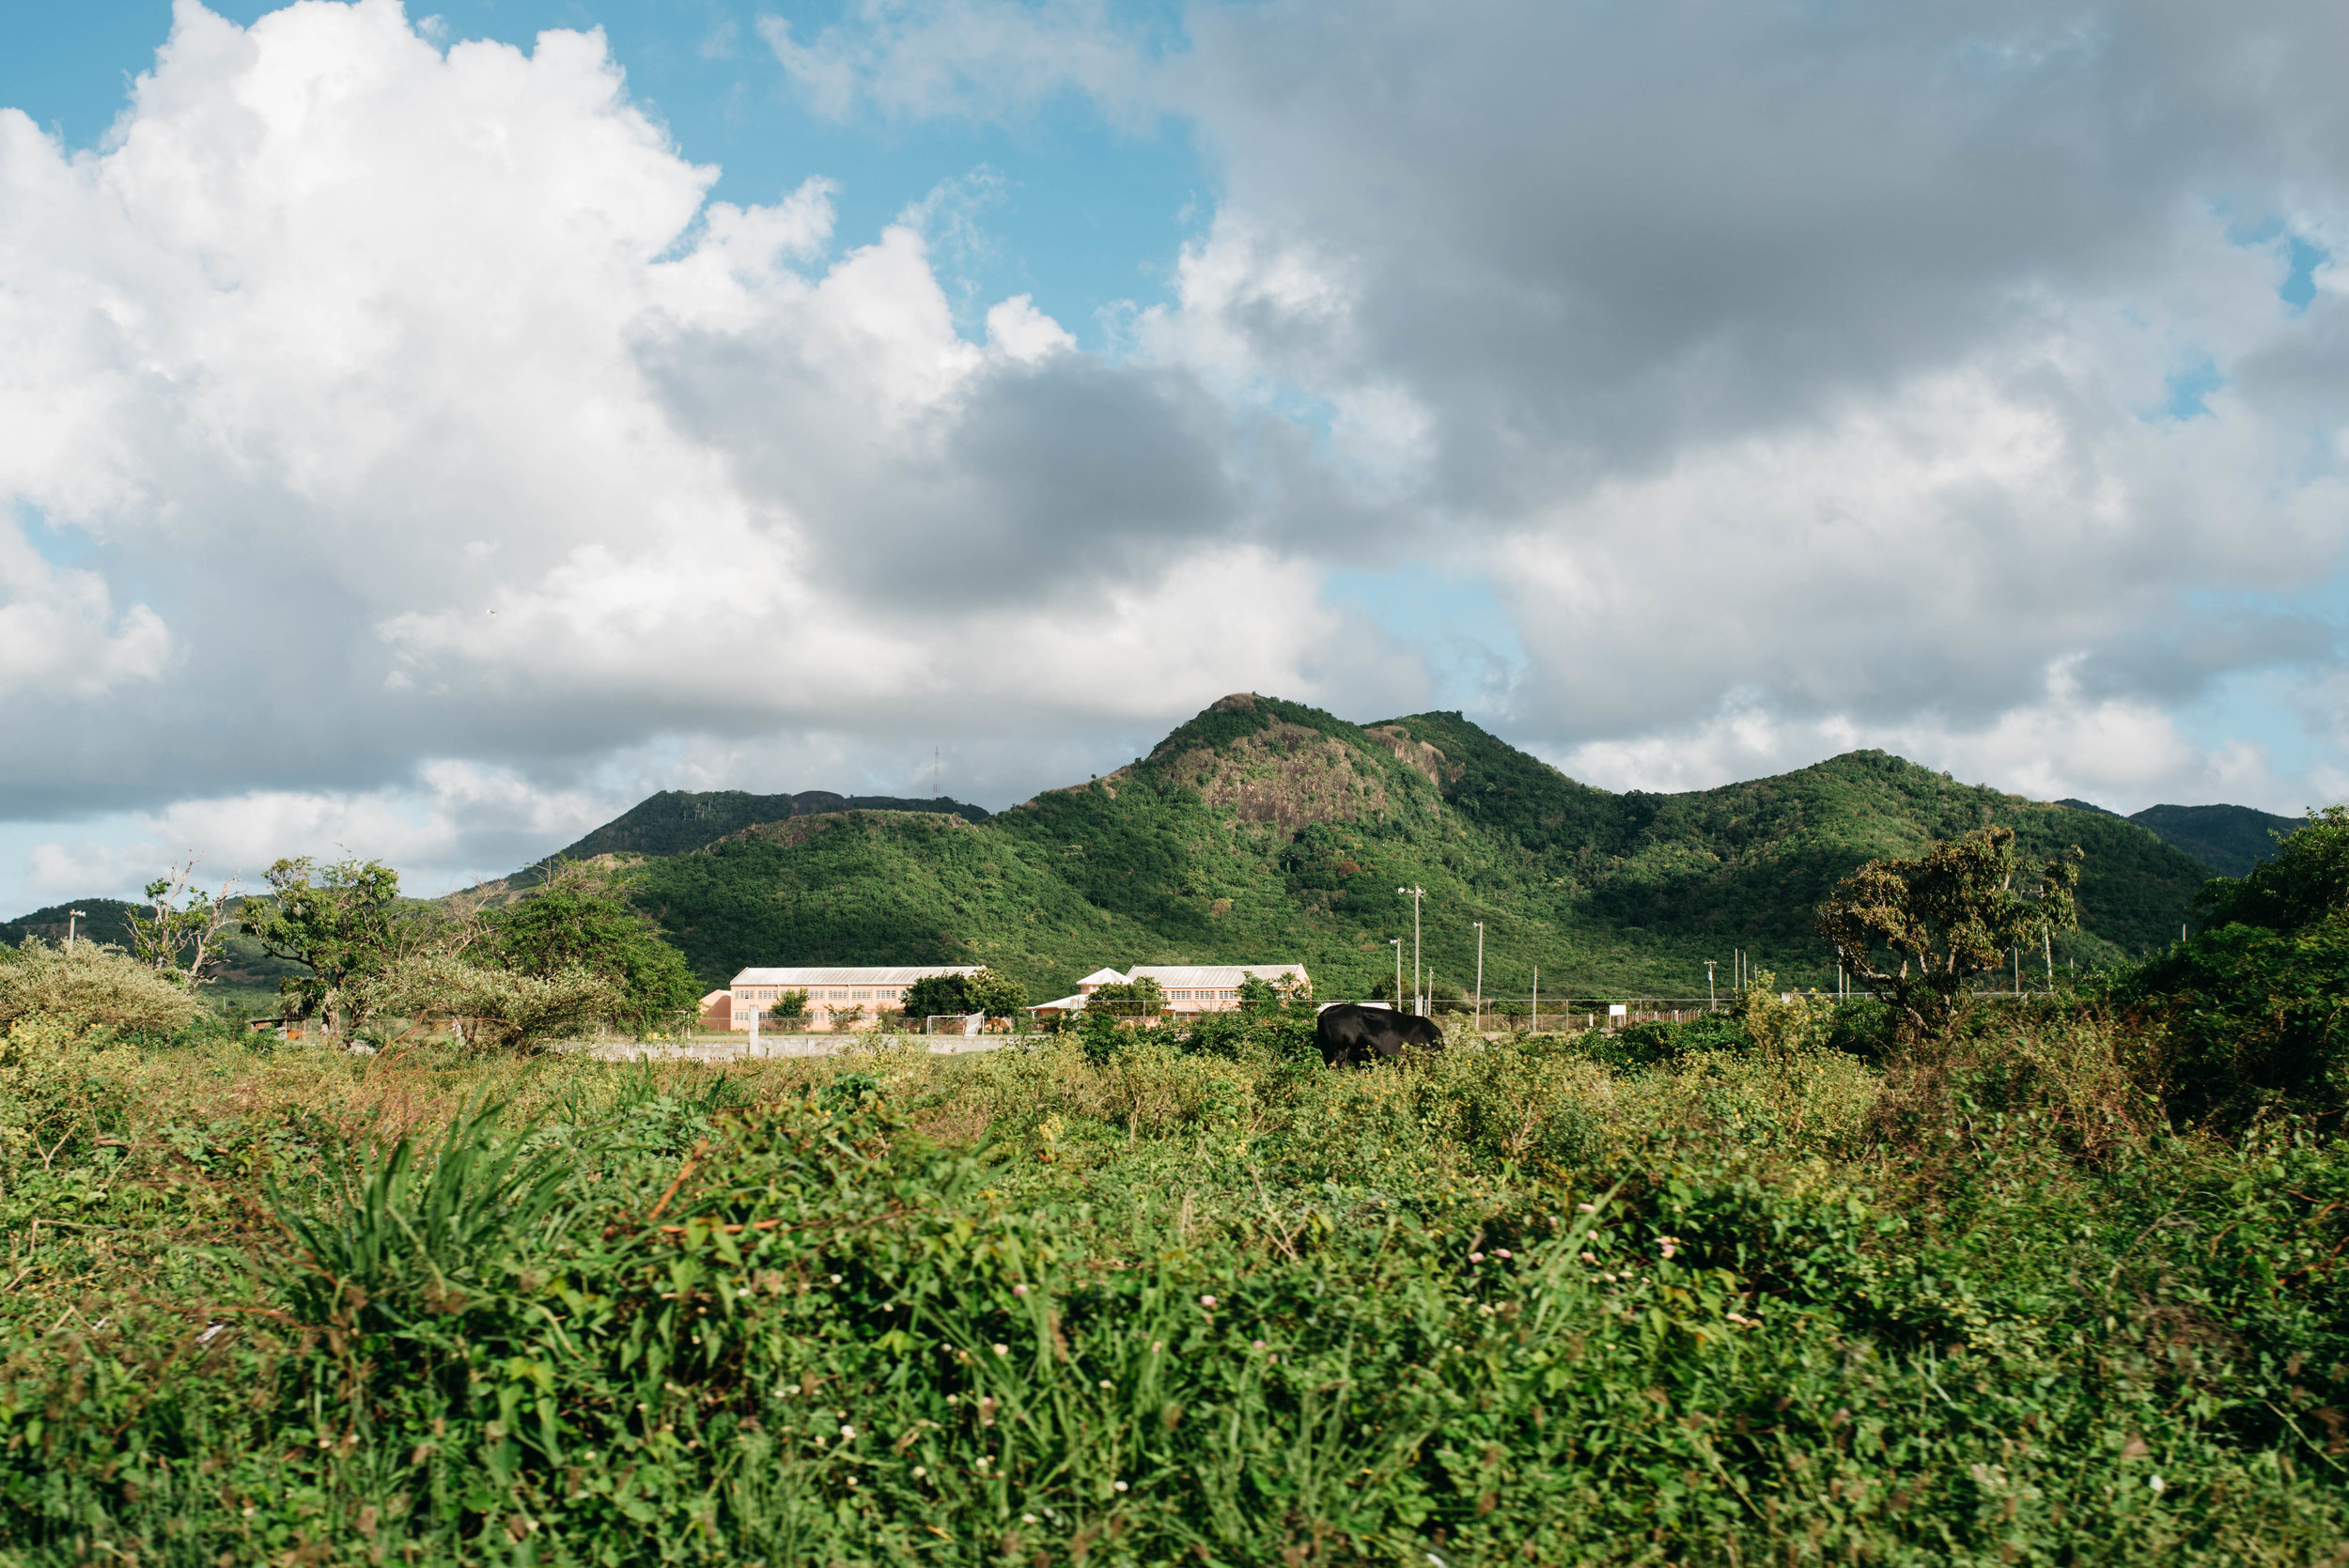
[1259, 1344]
[1206, 1301]
[1476, 1257]
[1503, 1252]
[1019, 1290]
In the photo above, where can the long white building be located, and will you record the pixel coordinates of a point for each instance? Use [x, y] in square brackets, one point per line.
[1188, 987]
[831, 989]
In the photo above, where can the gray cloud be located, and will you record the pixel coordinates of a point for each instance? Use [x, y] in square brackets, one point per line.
[1785, 368]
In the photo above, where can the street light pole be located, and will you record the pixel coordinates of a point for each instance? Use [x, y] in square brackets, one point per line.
[1479, 1023]
[1417, 999]
[71, 916]
[1710, 1000]
[1396, 943]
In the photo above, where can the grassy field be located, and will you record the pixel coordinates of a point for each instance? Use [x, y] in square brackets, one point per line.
[1679, 1297]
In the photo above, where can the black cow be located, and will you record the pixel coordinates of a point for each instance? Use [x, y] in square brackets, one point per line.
[1349, 1033]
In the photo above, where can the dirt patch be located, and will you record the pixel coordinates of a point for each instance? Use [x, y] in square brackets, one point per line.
[1427, 761]
[1286, 775]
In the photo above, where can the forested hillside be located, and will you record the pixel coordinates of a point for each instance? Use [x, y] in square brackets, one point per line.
[2230, 840]
[676, 820]
[1263, 830]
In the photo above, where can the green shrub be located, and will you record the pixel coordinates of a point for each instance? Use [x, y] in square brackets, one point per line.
[81, 987]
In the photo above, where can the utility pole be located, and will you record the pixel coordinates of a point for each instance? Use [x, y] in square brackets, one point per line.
[1397, 944]
[1537, 998]
[1479, 1024]
[2047, 944]
[1711, 1000]
[1418, 1001]
[71, 916]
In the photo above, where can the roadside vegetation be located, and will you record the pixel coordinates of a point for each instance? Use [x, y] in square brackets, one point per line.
[2057, 1279]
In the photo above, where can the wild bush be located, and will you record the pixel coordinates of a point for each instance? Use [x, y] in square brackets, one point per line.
[81, 987]
[1492, 1306]
[494, 1008]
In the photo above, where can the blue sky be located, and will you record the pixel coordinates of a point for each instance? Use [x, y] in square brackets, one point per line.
[411, 456]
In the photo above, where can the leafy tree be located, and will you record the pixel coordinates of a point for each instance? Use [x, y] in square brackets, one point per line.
[577, 918]
[1918, 931]
[1257, 994]
[346, 923]
[939, 996]
[2306, 882]
[1128, 999]
[2255, 1008]
[790, 1005]
[997, 996]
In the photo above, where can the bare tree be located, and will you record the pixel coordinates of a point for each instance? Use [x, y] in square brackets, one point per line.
[181, 933]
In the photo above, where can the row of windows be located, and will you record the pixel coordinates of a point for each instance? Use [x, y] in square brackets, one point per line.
[884, 995]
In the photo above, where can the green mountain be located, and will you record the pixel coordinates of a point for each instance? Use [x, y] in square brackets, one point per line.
[676, 820]
[105, 919]
[2230, 840]
[1263, 830]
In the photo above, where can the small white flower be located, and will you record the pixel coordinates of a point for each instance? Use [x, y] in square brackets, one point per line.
[919, 1471]
[1579, 1208]
[1589, 1258]
[1022, 1290]
[1206, 1301]
[2159, 1484]
[1002, 1350]
[848, 1432]
[1105, 1382]
[835, 1279]
[1120, 1486]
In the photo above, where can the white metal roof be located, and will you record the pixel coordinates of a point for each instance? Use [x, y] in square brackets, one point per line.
[903, 975]
[1103, 977]
[1066, 1004]
[1213, 977]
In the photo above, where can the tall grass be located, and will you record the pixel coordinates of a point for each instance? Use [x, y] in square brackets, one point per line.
[1516, 1305]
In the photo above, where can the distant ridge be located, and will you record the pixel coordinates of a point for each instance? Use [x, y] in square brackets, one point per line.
[678, 821]
[2230, 840]
[105, 919]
